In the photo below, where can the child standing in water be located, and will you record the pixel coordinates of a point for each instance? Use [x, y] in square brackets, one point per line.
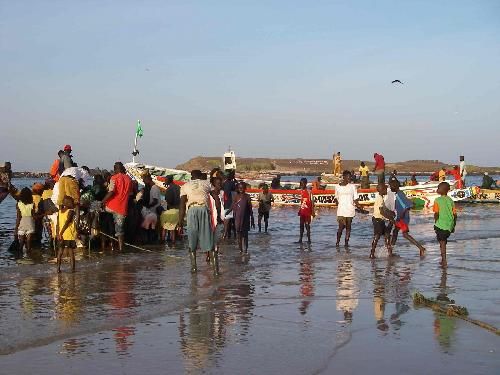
[243, 216]
[402, 205]
[66, 231]
[25, 222]
[265, 201]
[380, 216]
[306, 210]
[445, 218]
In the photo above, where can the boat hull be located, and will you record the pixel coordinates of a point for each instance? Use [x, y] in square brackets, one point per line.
[483, 196]
[426, 193]
[326, 198]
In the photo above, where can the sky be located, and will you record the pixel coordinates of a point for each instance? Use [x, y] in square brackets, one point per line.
[269, 78]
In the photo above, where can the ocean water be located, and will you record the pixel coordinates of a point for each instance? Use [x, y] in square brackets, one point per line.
[286, 308]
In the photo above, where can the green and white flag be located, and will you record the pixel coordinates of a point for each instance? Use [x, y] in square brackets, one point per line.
[139, 131]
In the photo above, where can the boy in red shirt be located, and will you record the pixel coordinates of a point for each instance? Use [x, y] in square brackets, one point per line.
[306, 210]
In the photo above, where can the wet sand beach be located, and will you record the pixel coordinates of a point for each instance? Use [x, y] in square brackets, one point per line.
[287, 308]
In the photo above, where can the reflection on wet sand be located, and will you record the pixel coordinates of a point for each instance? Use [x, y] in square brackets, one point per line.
[73, 346]
[119, 309]
[347, 289]
[444, 326]
[28, 289]
[67, 297]
[205, 326]
[122, 301]
[306, 283]
[379, 276]
[390, 285]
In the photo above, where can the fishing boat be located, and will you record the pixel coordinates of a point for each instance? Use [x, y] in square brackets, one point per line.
[289, 195]
[483, 196]
[158, 174]
[423, 194]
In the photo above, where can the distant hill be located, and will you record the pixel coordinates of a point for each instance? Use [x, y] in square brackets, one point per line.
[318, 166]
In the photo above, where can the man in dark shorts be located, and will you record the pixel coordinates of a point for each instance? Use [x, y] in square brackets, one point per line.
[402, 221]
[381, 215]
[445, 219]
[265, 201]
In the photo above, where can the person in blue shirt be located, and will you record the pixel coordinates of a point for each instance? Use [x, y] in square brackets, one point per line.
[402, 206]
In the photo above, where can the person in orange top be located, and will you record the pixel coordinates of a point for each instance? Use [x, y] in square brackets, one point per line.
[316, 185]
[54, 169]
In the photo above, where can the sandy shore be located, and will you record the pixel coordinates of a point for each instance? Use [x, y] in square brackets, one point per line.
[285, 309]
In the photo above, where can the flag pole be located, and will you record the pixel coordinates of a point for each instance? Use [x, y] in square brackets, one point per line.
[138, 133]
[135, 149]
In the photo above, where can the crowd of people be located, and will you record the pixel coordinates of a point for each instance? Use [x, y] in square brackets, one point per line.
[391, 214]
[362, 175]
[110, 211]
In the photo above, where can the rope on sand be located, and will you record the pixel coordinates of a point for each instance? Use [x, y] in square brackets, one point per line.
[137, 247]
[125, 243]
[451, 310]
[115, 239]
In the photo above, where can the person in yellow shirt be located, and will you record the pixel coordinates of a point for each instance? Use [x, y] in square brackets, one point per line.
[337, 167]
[48, 189]
[364, 172]
[25, 222]
[66, 231]
[442, 174]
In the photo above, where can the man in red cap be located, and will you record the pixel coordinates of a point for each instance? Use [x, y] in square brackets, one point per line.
[66, 160]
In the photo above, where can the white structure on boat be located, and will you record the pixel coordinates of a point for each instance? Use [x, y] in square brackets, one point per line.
[229, 160]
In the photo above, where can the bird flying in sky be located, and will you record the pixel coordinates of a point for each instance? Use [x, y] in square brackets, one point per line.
[397, 81]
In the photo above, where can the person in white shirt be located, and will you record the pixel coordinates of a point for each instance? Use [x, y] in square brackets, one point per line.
[347, 198]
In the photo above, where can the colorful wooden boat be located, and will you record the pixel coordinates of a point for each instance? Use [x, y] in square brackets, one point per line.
[290, 195]
[483, 196]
